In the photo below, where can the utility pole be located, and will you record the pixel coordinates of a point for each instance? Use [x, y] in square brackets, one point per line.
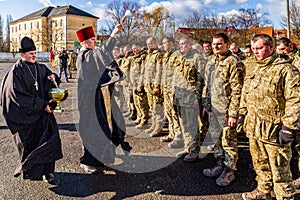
[288, 18]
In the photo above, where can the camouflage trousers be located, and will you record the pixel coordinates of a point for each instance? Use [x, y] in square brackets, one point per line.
[119, 97]
[200, 136]
[170, 113]
[156, 107]
[271, 163]
[127, 95]
[224, 139]
[297, 148]
[141, 105]
[188, 120]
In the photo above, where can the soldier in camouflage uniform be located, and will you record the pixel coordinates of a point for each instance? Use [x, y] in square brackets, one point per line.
[224, 75]
[272, 102]
[207, 48]
[236, 51]
[284, 46]
[139, 97]
[202, 120]
[169, 57]
[151, 75]
[125, 67]
[118, 90]
[188, 90]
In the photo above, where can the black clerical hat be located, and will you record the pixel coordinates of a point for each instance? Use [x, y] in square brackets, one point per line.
[26, 45]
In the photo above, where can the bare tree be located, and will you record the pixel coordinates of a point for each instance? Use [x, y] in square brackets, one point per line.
[115, 11]
[295, 19]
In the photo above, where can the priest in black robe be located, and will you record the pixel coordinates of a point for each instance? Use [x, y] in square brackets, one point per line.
[27, 109]
[97, 68]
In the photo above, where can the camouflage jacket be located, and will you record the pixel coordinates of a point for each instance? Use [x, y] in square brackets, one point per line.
[188, 78]
[240, 54]
[170, 60]
[272, 99]
[296, 60]
[136, 70]
[250, 64]
[224, 78]
[125, 67]
[152, 70]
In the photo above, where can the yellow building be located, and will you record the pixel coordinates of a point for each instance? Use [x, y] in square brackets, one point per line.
[51, 27]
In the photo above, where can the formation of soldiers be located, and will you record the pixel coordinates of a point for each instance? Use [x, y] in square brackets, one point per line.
[214, 91]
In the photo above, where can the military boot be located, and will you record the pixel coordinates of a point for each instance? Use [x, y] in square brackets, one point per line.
[158, 131]
[137, 121]
[151, 128]
[132, 115]
[256, 194]
[142, 124]
[215, 171]
[226, 177]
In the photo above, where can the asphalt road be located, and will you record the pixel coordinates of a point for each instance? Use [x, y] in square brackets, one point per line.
[174, 179]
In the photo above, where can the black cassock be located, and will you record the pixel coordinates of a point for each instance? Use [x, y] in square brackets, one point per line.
[35, 132]
[95, 69]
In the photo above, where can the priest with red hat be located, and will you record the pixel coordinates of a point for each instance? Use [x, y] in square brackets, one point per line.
[97, 68]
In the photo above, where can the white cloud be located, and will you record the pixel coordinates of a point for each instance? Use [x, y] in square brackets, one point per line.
[142, 2]
[89, 4]
[259, 6]
[46, 3]
[206, 2]
[100, 11]
[177, 8]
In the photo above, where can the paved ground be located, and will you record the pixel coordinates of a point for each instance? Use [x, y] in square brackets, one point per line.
[175, 180]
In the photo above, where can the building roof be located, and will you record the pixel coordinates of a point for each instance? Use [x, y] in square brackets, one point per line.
[56, 11]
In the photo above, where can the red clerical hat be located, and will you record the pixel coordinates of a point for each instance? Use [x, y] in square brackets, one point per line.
[85, 33]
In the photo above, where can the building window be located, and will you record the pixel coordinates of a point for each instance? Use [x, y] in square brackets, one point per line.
[38, 37]
[24, 26]
[61, 22]
[61, 36]
[19, 27]
[50, 37]
[38, 24]
[30, 25]
[55, 22]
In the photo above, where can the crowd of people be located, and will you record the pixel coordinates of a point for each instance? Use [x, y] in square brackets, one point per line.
[64, 61]
[216, 90]
[210, 91]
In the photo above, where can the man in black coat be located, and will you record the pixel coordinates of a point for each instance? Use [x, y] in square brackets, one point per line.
[27, 109]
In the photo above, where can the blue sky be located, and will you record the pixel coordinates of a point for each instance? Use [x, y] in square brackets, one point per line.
[179, 8]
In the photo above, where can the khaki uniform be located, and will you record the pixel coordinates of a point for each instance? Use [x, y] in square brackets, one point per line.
[139, 98]
[188, 90]
[125, 67]
[272, 100]
[151, 77]
[118, 90]
[240, 55]
[169, 61]
[72, 63]
[224, 79]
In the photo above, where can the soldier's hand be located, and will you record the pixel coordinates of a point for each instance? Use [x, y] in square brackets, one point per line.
[231, 122]
[286, 136]
[156, 91]
[240, 123]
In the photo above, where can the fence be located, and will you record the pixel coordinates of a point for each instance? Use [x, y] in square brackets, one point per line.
[7, 56]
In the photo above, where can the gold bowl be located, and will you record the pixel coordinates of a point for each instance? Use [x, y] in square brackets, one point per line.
[58, 95]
